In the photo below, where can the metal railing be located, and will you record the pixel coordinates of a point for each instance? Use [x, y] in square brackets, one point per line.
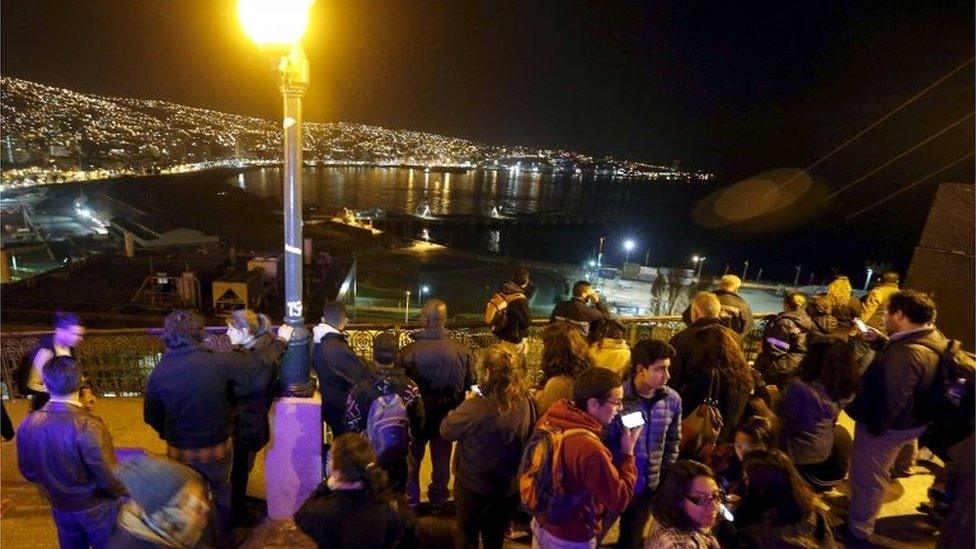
[118, 362]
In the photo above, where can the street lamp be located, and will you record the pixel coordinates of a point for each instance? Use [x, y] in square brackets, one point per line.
[700, 262]
[421, 290]
[796, 279]
[279, 25]
[628, 246]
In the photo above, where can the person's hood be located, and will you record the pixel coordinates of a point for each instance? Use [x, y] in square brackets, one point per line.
[565, 415]
[510, 287]
[428, 333]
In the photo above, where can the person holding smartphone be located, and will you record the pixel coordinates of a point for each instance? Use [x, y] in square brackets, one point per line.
[648, 401]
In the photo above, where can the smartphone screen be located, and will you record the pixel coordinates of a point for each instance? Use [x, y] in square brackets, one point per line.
[632, 420]
[725, 512]
[476, 390]
[861, 325]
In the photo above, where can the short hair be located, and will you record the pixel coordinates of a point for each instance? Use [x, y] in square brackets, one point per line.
[181, 329]
[65, 319]
[604, 327]
[520, 276]
[889, 277]
[434, 313]
[917, 306]
[61, 375]
[729, 283]
[385, 347]
[794, 301]
[675, 486]
[595, 383]
[706, 303]
[580, 287]
[649, 351]
[257, 324]
[333, 313]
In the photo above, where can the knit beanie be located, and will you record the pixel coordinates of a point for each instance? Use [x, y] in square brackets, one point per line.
[153, 481]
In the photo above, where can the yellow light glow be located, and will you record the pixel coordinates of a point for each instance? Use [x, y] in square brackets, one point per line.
[274, 22]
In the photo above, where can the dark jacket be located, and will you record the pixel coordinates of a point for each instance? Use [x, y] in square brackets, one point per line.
[811, 532]
[784, 342]
[589, 468]
[351, 518]
[903, 370]
[657, 448]
[807, 417]
[443, 369]
[736, 313]
[249, 413]
[845, 315]
[490, 443]
[384, 381]
[188, 392]
[68, 450]
[683, 343]
[578, 313]
[519, 318]
[338, 369]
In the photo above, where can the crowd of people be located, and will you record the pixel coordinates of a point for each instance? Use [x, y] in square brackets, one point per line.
[682, 443]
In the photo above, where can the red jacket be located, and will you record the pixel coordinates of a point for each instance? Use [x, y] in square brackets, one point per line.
[590, 468]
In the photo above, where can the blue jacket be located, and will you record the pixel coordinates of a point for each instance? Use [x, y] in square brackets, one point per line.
[657, 448]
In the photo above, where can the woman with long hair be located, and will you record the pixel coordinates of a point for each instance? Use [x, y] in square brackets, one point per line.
[608, 348]
[755, 432]
[845, 307]
[685, 508]
[355, 507]
[257, 353]
[491, 431]
[719, 365]
[778, 509]
[565, 354]
[808, 411]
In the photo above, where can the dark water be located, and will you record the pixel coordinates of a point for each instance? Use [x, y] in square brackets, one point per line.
[656, 216]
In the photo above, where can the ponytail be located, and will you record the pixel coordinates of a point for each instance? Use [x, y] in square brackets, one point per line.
[505, 381]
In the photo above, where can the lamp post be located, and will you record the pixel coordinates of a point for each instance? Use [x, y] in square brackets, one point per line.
[280, 24]
[700, 262]
[628, 246]
[796, 279]
[421, 290]
[745, 269]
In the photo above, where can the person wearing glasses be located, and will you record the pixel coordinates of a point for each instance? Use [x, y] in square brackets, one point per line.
[596, 484]
[685, 508]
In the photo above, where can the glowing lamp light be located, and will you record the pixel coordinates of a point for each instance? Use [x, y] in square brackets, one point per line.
[425, 290]
[629, 245]
[274, 22]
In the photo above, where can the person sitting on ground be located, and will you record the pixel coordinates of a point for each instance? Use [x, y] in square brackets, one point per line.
[784, 341]
[375, 398]
[68, 451]
[594, 484]
[259, 352]
[755, 432]
[647, 393]
[703, 313]
[68, 333]
[444, 370]
[491, 430]
[565, 356]
[581, 310]
[777, 508]
[685, 508]
[336, 365]
[808, 412]
[168, 507]
[608, 348]
[354, 506]
[717, 369]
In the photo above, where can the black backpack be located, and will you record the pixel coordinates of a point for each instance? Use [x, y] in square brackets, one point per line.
[948, 402]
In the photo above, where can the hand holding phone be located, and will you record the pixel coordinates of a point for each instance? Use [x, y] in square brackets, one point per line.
[632, 420]
[476, 390]
[861, 325]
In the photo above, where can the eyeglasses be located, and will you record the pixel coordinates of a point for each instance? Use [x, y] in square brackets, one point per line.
[717, 497]
[615, 402]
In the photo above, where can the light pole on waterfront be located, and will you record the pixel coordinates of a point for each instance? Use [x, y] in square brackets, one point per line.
[745, 269]
[279, 25]
[406, 308]
[796, 279]
[421, 290]
[628, 246]
[700, 262]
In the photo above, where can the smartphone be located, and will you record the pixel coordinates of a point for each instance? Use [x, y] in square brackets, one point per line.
[632, 420]
[861, 325]
[725, 512]
[476, 390]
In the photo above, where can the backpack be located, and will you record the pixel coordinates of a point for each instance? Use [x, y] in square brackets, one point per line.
[388, 428]
[948, 401]
[496, 311]
[540, 477]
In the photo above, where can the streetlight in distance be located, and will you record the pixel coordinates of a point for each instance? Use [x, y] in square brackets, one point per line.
[279, 25]
[628, 246]
[699, 261]
[423, 289]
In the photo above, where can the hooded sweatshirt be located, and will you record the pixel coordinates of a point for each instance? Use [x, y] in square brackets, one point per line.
[588, 468]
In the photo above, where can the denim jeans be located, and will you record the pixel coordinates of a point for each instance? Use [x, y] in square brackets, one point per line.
[217, 475]
[91, 527]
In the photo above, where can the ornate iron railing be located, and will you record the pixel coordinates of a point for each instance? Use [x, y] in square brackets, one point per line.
[118, 362]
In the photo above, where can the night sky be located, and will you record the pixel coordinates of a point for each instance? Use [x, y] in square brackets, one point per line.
[731, 87]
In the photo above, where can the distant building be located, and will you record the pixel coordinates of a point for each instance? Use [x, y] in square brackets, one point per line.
[152, 232]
